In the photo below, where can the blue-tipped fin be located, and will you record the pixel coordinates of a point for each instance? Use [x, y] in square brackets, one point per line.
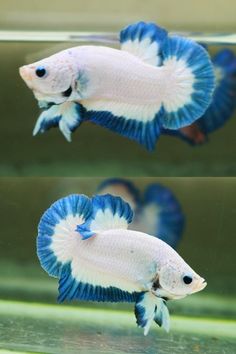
[109, 212]
[150, 308]
[144, 40]
[66, 116]
[72, 289]
[190, 83]
[56, 241]
[223, 102]
[183, 106]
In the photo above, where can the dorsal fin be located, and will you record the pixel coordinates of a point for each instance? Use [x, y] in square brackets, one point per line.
[109, 213]
[144, 41]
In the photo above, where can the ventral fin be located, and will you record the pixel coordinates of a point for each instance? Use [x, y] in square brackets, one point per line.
[143, 40]
[71, 289]
[66, 115]
[148, 308]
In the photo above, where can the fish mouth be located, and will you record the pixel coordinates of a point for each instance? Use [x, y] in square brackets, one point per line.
[26, 76]
[201, 284]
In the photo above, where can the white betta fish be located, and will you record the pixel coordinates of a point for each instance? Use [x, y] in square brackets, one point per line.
[154, 82]
[86, 244]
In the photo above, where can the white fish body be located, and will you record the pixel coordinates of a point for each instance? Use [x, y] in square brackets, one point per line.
[86, 244]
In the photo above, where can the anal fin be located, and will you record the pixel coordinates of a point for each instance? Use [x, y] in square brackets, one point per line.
[71, 288]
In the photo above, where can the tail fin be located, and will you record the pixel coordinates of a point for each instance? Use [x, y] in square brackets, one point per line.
[72, 219]
[223, 102]
[189, 72]
[191, 82]
[150, 308]
[57, 240]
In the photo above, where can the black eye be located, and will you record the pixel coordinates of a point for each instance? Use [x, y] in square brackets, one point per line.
[187, 279]
[40, 71]
[67, 93]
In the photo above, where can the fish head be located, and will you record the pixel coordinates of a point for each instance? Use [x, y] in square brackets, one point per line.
[53, 79]
[177, 280]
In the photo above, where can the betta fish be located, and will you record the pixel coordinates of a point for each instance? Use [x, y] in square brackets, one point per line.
[154, 81]
[85, 243]
[223, 102]
[156, 212]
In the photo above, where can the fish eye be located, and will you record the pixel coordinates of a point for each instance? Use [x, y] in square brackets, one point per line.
[187, 279]
[40, 71]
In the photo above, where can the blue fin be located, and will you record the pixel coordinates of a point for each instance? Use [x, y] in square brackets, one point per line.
[71, 289]
[197, 61]
[55, 243]
[144, 40]
[150, 308]
[223, 102]
[111, 185]
[66, 115]
[109, 212]
[170, 219]
[180, 49]
[145, 134]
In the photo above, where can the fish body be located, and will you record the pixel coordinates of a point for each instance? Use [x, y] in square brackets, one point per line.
[154, 81]
[86, 244]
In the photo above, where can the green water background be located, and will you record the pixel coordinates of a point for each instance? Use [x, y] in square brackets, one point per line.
[30, 319]
[94, 150]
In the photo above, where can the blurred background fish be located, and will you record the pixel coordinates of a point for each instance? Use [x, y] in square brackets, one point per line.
[156, 211]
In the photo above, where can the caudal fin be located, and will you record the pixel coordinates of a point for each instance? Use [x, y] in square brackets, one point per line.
[57, 241]
[190, 82]
[222, 106]
[73, 219]
[150, 308]
[187, 65]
